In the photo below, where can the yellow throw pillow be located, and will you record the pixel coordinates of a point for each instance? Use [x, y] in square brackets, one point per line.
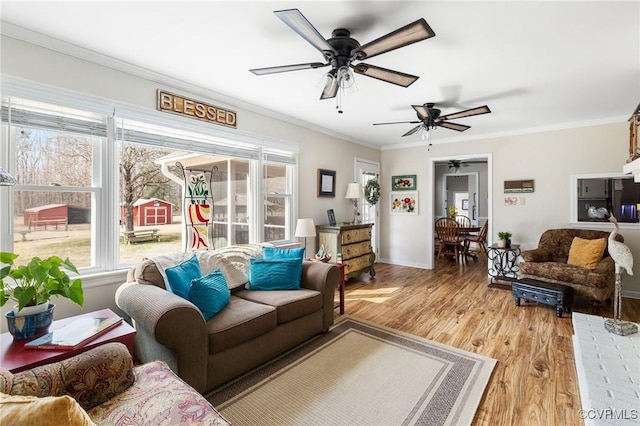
[50, 410]
[586, 253]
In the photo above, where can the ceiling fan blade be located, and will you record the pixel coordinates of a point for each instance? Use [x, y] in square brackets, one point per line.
[330, 89]
[398, 122]
[454, 126]
[412, 131]
[298, 23]
[422, 110]
[287, 68]
[384, 74]
[414, 32]
[467, 113]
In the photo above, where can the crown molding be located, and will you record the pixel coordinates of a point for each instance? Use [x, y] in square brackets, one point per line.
[39, 39]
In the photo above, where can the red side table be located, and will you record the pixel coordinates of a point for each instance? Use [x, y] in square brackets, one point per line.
[341, 285]
[15, 358]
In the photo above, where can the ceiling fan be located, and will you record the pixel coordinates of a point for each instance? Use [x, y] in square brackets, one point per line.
[429, 118]
[454, 165]
[341, 51]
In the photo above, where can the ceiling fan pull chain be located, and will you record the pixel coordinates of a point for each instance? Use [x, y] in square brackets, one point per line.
[339, 101]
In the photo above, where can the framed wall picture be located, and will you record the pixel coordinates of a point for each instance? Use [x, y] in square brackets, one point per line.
[404, 203]
[332, 217]
[404, 183]
[465, 204]
[326, 183]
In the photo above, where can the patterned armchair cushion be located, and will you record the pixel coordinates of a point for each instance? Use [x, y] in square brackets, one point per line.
[90, 378]
[158, 397]
[548, 263]
[104, 382]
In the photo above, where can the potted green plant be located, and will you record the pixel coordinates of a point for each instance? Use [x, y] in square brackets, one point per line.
[33, 285]
[504, 239]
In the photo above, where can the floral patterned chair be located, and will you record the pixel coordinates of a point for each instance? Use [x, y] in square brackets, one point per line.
[106, 389]
[549, 263]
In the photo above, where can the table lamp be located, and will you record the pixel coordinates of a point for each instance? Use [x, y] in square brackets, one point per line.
[354, 193]
[305, 228]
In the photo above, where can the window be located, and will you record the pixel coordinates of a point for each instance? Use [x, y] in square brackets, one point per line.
[597, 196]
[277, 187]
[107, 191]
[58, 191]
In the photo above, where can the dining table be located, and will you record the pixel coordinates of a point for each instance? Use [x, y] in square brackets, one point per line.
[467, 230]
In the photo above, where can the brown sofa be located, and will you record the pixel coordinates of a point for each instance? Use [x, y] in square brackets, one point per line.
[106, 389]
[548, 263]
[253, 328]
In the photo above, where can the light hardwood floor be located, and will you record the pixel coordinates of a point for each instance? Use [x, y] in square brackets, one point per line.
[534, 382]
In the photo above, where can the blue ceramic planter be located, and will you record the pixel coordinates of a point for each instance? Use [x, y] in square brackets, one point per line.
[29, 326]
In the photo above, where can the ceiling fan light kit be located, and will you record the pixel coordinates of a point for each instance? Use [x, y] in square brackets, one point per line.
[341, 50]
[429, 119]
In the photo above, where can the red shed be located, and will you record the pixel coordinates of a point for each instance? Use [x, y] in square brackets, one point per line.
[54, 215]
[152, 212]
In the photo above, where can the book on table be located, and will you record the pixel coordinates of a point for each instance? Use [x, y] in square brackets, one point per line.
[74, 334]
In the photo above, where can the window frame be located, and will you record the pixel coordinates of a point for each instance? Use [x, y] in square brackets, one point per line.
[106, 196]
[573, 220]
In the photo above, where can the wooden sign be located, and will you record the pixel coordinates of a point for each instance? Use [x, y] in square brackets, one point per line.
[176, 104]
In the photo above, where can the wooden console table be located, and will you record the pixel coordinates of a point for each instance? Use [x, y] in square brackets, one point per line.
[349, 244]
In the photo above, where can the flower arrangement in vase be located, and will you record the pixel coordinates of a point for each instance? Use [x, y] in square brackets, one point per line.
[453, 212]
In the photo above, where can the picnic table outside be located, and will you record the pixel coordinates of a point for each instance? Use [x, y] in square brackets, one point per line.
[140, 235]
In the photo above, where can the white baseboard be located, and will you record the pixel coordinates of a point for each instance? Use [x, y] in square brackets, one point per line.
[631, 294]
[402, 263]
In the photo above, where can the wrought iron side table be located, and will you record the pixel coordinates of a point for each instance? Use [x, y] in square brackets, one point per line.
[502, 262]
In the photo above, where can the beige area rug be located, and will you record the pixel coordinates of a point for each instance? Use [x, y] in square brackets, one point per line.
[360, 374]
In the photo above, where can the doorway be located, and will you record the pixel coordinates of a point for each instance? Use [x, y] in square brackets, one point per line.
[366, 170]
[481, 198]
[459, 190]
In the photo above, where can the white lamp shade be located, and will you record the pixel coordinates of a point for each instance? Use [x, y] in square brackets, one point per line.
[305, 228]
[354, 190]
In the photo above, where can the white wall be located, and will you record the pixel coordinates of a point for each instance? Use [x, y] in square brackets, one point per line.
[550, 158]
[317, 150]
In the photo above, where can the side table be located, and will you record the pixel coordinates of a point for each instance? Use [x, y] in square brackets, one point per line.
[502, 262]
[15, 358]
[341, 285]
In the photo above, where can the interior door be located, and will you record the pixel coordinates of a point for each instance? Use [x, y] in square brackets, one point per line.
[366, 170]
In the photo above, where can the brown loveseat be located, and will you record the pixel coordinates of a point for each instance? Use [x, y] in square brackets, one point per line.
[104, 388]
[548, 263]
[253, 328]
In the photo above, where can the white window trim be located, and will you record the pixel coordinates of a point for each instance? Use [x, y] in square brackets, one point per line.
[573, 219]
[106, 235]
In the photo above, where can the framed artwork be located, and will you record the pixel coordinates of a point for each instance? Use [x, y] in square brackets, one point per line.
[405, 203]
[332, 217]
[326, 183]
[404, 183]
[465, 204]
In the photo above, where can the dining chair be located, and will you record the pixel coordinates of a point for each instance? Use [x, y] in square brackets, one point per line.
[463, 221]
[450, 241]
[480, 240]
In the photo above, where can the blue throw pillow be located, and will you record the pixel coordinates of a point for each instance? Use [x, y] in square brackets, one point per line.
[210, 293]
[282, 253]
[275, 274]
[179, 277]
